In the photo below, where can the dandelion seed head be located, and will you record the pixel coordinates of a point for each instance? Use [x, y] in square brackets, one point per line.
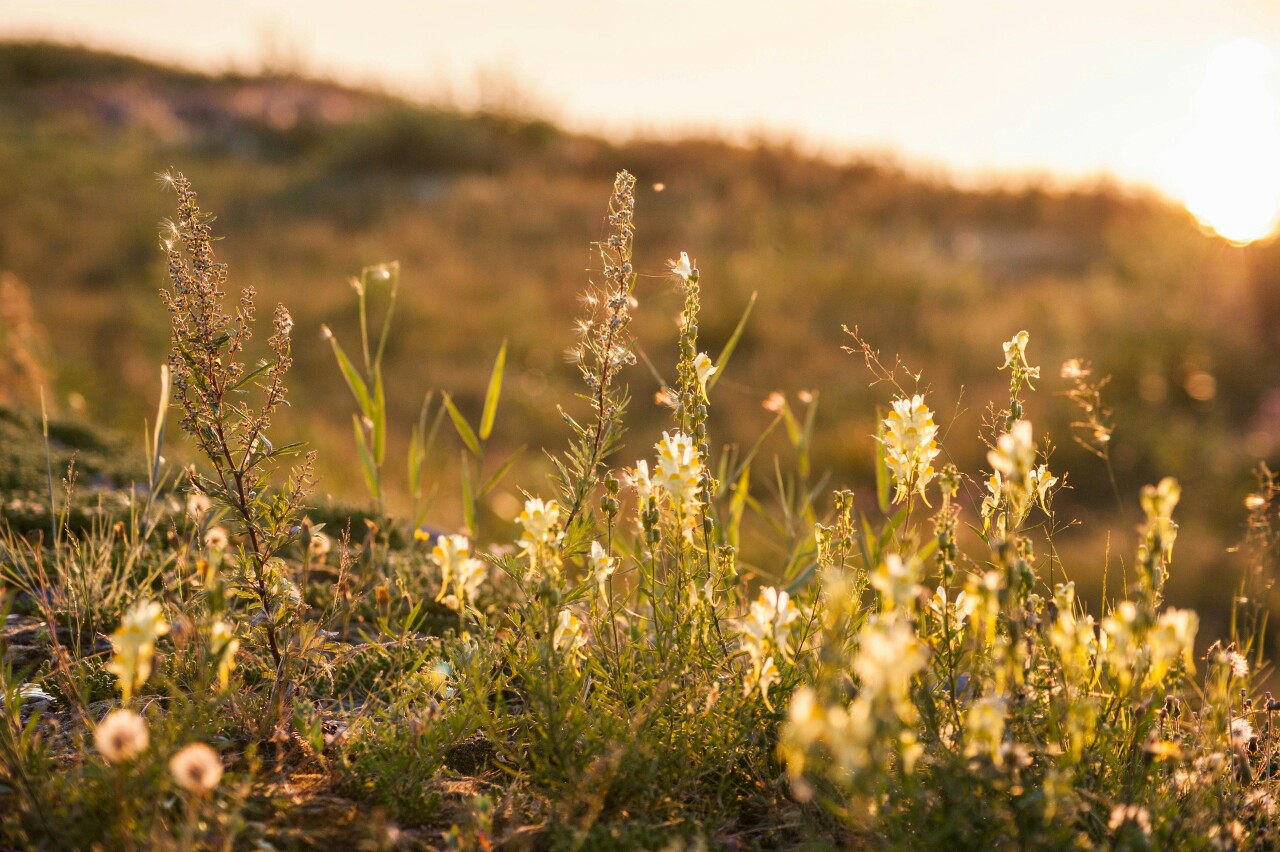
[1241, 733]
[1074, 370]
[121, 736]
[196, 768]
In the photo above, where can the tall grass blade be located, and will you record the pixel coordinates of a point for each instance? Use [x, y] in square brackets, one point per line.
[493, 393]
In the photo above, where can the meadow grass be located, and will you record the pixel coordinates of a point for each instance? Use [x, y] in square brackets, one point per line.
[909, 668]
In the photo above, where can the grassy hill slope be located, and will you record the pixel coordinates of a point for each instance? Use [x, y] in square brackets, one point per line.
[492, 216]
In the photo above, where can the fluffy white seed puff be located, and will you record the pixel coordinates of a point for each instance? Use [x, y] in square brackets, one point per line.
[121, 736]
[197, 768]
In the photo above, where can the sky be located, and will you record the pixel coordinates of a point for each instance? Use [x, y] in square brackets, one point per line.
[980, 88]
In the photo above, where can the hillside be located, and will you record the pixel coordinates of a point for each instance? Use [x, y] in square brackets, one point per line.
[492, 216]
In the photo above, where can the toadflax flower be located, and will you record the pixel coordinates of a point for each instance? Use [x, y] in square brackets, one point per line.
[703, 369]
[638, 478]
[679, 469]
[1017, 483]
[875, 728]
[765, 632]
[910, 444]
[602, 567]
[121, 736]
[681, 268]
[1015, 359]
[1172, 638]
[540, 523]
[223, 645]
[1158, 502]
[897, 581]
[568, 638]
[460, 573]
[197, 768]
[134, 643]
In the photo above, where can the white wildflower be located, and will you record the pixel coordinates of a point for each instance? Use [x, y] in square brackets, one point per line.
[681, 268]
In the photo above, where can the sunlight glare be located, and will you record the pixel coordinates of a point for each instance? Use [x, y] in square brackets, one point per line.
[1227, 169]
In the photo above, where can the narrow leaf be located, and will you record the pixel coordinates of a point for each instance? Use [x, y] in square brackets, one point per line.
[727, 352]
[493, 393]
[252, 374]
[497, 475]
[738, 504]
[357, 384]
[468, 501]
[465, 431]
[882, 469]
[379, 418]
[366, 460]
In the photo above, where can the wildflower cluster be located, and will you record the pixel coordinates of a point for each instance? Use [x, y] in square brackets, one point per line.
[910, 446]
[766, 637]
[995, 684]
[461, 574]
[1017, 482]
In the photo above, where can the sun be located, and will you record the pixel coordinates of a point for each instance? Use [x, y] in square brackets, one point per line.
[1227, 169]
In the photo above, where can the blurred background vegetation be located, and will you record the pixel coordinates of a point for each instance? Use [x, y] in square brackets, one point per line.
[492, 216]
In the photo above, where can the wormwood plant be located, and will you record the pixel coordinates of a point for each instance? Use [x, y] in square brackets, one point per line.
[602, 351]
[213, 387]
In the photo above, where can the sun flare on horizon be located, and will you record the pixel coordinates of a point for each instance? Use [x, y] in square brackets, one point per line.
[1226, 171]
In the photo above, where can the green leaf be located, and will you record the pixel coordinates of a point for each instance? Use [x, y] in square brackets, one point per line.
[465, 431]
[379, 418]
[493, 393]
[468, 501]
[795, 433]
[499, 473]
[357, 384]
[882, 469]
[252, 374]
[415, 460]
[738, 504]
[290, 449]
[806, 439]
[366, 460]
[727, 352]
[197, 374]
